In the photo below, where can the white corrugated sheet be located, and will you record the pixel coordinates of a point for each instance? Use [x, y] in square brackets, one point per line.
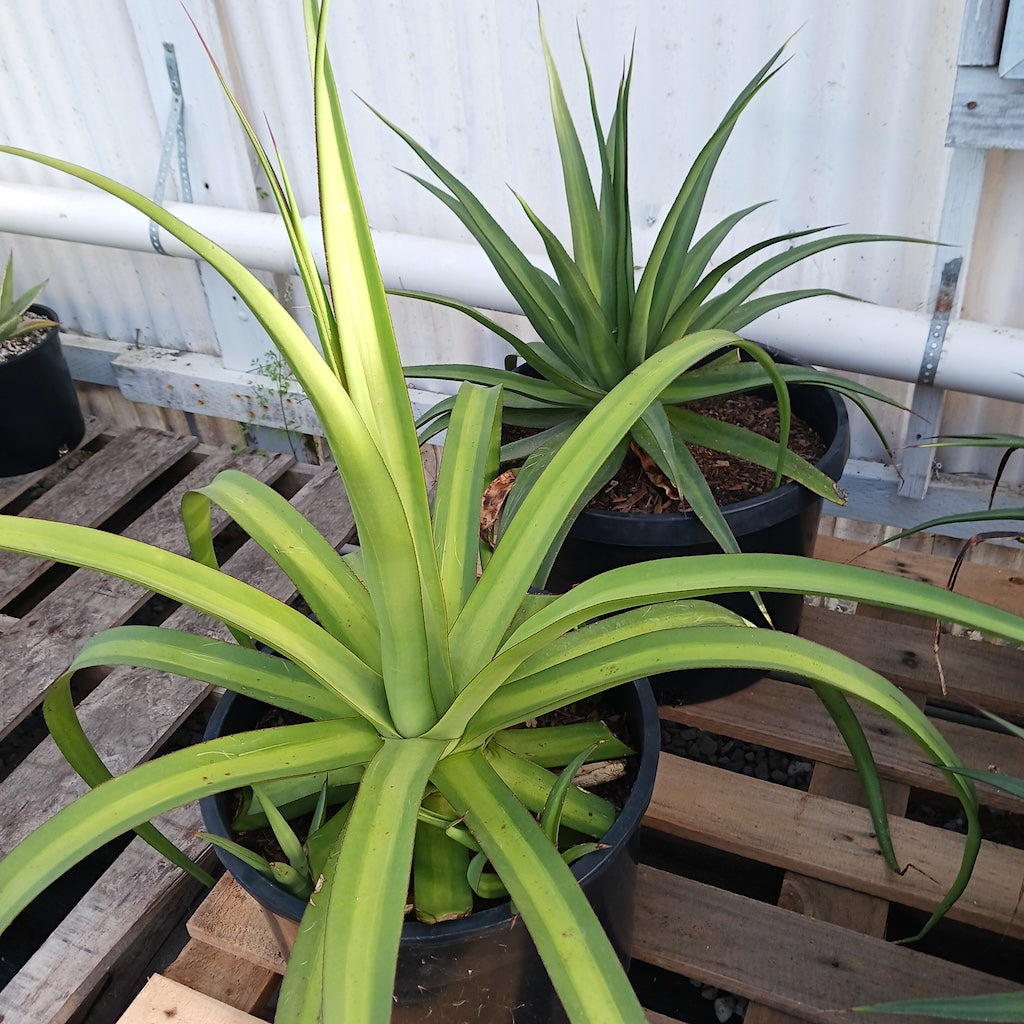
[850, 132]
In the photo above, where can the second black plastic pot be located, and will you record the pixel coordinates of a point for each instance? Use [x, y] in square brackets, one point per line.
[484, 967]
[40, 418]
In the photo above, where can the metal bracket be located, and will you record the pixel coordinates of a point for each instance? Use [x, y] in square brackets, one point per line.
[174, 136]
[940, 321]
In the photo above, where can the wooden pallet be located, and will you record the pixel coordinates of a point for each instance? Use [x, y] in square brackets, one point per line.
[768, 893]
[771, 894]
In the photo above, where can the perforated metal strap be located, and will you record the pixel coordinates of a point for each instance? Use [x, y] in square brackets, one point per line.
[174, 137]
[940, 321]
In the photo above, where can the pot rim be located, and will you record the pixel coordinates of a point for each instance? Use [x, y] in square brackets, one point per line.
[48, 334]
[627, 822]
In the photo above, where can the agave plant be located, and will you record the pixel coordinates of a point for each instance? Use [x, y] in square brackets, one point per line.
[418, 657]
[596, 323]
[15, 321]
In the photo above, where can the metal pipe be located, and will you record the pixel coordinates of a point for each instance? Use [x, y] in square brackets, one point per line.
[828, 331]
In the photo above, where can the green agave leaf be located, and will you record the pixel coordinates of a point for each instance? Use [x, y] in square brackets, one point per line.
[670, 579]
[468, 464]
[746, 312]
[337, 598]
[690, 312]
[300, 795]
[654, 434]
[362, 917]
[529, 286]
[545, 392]
[1007, 783]
[320, 305]
[325, 839]
[264, 677]
[580, 960]
[369, 350]
[592, 326]
[243, 853]
[539, 446]
[1004, 1007]
[975, 441]
[724, 379]
[618, 264]
[406, 590]
[584, 215]
[700, 254]
[486, 884]
[283, 832]
[125, 802]
[561, 638]
[856, 742]
[441, 888]
[981, 515]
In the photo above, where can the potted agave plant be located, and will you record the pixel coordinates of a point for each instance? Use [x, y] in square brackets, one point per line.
[40, 418]
[596, 322]
[424, 650]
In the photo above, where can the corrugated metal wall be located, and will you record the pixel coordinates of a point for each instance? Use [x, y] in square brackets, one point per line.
[850, 132]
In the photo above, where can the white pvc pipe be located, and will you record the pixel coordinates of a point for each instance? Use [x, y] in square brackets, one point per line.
[828, 331]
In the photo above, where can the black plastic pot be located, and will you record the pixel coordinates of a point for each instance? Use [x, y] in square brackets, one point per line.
[484, 967]
[782, 521]
[40, 418]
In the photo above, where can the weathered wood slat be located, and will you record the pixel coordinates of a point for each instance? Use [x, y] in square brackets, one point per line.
[789, 717]
[112, 477]
[230, 920]
[831, 840]
[810, 969]
[163, 1000]
[975, 672]
[34, 651]
[213, 973]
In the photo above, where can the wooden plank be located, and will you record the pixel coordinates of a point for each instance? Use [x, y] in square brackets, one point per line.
[214, 973]
[810, 969]
[39, 647]
[977, 673]
[831, 840]
[789, 717]
[992, 584]
[230, 920]
[94, 492]
[164, 1000]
